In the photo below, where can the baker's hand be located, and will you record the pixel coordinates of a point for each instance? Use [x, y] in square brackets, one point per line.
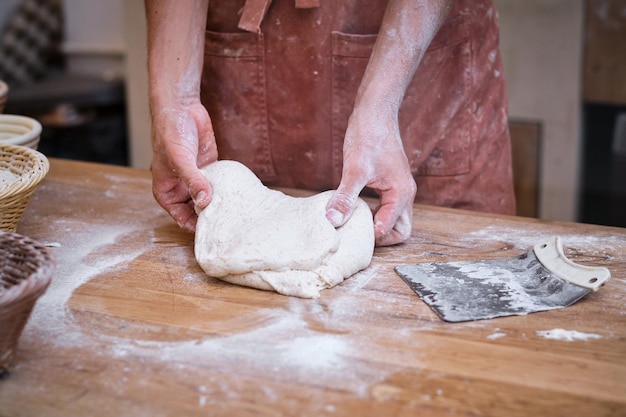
[182, 141]
[373, 156]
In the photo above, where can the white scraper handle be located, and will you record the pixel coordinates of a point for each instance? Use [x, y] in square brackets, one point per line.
[550, 254]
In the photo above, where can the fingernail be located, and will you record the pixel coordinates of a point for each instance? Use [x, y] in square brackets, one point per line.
[200, 198]
[334, 217]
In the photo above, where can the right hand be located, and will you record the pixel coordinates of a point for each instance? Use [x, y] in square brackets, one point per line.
[182, 141]
[374, 157]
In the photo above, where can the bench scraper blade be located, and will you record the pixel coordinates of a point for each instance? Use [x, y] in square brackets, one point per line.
[538, 280]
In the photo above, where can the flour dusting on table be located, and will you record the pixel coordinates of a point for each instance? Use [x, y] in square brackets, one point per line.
[292, 341]
[524, 238]
[281, 343]
[496, 335]
[567, 335]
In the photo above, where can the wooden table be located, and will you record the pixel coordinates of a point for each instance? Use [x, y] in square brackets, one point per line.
[131, 326]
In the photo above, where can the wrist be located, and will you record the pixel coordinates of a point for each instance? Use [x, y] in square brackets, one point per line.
[376, 108]
[379, 96]
[164, 95]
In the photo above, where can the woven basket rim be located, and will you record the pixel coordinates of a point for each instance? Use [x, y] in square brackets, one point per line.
[33, 177]
[27, 269]
[37, 282]
[32, 128]
[10, 118]
[33, 286]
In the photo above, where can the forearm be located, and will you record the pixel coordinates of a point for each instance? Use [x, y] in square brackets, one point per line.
[407, 29]
[175, 51]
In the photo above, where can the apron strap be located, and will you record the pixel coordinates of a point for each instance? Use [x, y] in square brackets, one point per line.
[252, 15]
[254, 12]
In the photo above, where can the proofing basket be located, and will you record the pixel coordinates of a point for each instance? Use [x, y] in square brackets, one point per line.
[26, 268]
[29, 167]
[20, 130]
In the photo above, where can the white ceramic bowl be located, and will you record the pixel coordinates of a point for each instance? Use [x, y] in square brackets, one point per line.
[19, 130]
[4, 93]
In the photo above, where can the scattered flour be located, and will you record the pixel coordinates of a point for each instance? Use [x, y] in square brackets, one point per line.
[524, 238]
[496, 335]
[51, 314]
[567, 335]
[282, 342]
[298, 342]
[52, 244]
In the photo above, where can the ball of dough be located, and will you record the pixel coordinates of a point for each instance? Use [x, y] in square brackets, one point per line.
[257, 237]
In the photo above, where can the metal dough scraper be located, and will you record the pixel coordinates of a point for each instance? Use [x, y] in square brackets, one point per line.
[538, 280]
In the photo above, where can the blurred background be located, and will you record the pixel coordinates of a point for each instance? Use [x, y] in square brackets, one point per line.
[78, 66]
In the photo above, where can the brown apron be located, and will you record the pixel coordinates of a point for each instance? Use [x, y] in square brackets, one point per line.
[280, 93]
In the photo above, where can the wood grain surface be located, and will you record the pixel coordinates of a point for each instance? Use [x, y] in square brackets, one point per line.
[131, 326]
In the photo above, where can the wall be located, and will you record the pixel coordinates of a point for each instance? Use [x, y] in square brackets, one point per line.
[137, 84]
[605, 52]
[541, 43]
[93, 38]
[7, 7]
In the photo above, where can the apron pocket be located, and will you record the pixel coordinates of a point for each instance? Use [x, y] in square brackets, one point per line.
[434, 118]
[234, 93]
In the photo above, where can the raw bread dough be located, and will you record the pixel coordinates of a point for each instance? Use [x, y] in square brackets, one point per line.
[253, 236]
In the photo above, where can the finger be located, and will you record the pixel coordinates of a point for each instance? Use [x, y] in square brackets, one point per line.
[199, 190]
[391, 228]
[192, 182]
[173, 197]
[184, 215]
[342, 203]
[207, 148]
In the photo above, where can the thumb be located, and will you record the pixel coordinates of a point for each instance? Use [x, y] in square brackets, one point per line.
[342, 203]
[198, 186]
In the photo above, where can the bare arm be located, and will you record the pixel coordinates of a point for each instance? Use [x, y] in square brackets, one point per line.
[182, 134]
[405, 33]
[373, 150]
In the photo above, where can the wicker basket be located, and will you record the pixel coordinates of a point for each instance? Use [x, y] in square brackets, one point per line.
[29, 167]
[26, 268]
[20, 130]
